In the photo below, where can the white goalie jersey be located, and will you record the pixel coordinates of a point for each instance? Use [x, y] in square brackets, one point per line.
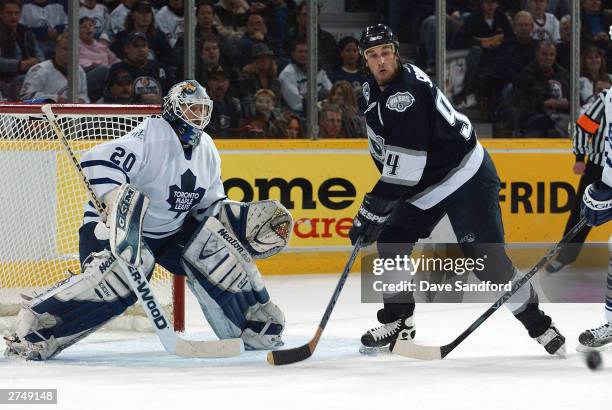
[177, 180]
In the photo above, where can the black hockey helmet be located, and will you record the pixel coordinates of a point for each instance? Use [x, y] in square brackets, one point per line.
[377, 35]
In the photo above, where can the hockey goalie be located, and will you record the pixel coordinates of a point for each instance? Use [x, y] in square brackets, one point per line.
[164, 203]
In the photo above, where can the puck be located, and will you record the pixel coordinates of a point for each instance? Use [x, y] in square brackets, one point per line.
[593, 360]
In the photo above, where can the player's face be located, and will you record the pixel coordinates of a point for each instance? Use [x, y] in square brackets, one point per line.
[10, 15]
[382, 62]
[195, 113]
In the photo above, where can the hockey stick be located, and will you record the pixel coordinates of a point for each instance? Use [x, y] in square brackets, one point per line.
[297, 354]
[410, 349]
[140, 285]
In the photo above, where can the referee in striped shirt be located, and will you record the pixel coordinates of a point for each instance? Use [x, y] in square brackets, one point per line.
[588, 141]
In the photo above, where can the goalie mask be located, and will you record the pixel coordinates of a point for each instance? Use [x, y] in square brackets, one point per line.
[187, 108]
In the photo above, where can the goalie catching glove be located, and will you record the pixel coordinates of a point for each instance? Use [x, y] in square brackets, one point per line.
[597, 203]
[371, 218]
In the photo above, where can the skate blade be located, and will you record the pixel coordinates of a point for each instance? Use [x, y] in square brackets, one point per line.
[561, 352]
[587, 349]
[373, 351]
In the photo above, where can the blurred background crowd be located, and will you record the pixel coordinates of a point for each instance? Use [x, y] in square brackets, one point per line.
[508, 60]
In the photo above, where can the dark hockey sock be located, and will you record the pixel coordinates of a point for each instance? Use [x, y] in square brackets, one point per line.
[535, 320]
[394, 311]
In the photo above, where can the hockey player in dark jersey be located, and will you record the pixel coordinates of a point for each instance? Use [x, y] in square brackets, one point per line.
[431, 165]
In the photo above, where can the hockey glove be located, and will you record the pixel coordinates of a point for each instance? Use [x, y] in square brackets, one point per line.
[370, 219]
[597, 203]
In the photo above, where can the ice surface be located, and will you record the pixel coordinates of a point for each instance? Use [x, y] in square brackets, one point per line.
[498, 366]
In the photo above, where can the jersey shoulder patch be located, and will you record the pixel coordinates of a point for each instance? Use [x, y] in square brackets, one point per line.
[400, 101]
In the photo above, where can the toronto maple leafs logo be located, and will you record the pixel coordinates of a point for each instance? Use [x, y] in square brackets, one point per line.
[185, 197]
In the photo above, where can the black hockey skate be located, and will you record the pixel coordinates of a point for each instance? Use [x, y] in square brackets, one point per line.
[599, 338]
[552, 340]
[378, 338]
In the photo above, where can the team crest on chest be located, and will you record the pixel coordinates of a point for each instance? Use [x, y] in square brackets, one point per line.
[366, 91]
[400, 101]
[185, 197]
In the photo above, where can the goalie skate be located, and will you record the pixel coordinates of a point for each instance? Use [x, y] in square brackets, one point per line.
[597, 339]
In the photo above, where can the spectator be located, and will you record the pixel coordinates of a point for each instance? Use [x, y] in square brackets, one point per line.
[260, 73]
[99, 14]
[150, 77]
[277, 15]
[47, 21]
[142, 20]
[483, 32]
[565, 42]
[210, 58]
[259, 123]
[595, 24]
[514, 55]
[328, 49]
[293, 80]
[330, 122]
[349, 69]
[546, 25]
[541, 96]
[226, 115]
[256, 33]
[170, 21]
[288, 126]
[118, 15]
[456, 12]
[593, 68]
[209, 24]
[95, 57]
[119, 89]
[18, 49]
[342, 95]
[233, 14]
[48, 80]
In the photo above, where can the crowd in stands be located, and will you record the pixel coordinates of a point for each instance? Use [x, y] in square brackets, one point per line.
[251, 57]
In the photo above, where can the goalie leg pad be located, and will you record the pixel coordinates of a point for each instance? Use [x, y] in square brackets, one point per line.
[127, 211]
[74, 308]
[264, 227]
[229, 288]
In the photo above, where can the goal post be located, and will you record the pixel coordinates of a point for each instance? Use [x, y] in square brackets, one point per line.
[43, 200]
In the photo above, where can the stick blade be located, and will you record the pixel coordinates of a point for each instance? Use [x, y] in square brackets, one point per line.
[209, 348]
[288, 356]
[407, 348]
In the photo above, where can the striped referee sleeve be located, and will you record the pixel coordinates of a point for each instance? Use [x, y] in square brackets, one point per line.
[588, 136]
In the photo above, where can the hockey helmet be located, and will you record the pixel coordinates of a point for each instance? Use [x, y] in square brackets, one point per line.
[187, 107]
[377, 35]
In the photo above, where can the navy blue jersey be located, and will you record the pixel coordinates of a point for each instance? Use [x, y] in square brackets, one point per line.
[423, 148]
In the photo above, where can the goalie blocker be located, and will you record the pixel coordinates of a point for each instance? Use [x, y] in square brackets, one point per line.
[77, 306]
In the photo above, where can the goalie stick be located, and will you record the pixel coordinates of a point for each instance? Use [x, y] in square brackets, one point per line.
[297, 354]
[410, 349]
[140, 285]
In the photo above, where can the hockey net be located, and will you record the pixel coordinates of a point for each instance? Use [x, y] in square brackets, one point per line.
[42, 202]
